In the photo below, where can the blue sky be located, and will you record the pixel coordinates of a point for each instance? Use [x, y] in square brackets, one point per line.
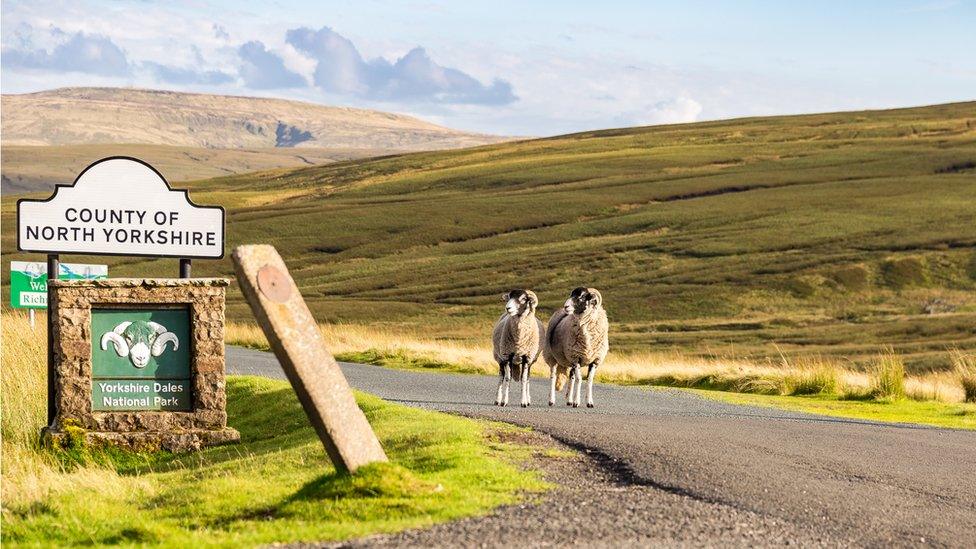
[516, 68]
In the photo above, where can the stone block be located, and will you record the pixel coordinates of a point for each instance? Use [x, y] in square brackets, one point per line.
[205, 424]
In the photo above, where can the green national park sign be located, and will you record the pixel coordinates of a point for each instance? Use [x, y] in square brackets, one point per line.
[141, 359]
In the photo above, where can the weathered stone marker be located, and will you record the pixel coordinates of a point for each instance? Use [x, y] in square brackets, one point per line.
[295, 338]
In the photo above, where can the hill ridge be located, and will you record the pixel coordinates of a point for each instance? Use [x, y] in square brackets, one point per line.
[99, 115]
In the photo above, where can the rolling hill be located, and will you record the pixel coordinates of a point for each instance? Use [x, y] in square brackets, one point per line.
[31, 169]
[84, 116]
[829, 234]
[49, 136]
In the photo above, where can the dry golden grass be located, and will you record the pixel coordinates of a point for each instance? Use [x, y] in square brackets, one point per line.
[888, 376]
[29, 474]
[964, 367]
[789, 377]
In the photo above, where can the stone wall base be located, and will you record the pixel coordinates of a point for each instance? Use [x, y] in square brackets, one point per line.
[144, 441]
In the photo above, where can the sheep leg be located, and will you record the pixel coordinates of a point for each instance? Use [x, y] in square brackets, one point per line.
[508, 380]
[575, 384]
[578, 375]
[552, 385]
[524, 380]
[501, 383]
[569, 388]
[590, 374]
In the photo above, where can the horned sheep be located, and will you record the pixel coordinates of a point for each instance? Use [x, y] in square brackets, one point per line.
[516, 342]
[138, 340]
[577, 336]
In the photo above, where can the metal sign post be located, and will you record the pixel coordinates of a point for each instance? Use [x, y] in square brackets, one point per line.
[53, 267]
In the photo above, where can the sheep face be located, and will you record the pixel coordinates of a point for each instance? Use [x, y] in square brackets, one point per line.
[520, 302]
[583, 299]
[139, 341]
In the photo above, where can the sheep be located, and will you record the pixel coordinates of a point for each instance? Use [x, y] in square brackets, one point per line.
[138, 339]
[577, 336]
[516, 342]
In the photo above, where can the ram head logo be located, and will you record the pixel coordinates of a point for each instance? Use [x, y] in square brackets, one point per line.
[139, 339]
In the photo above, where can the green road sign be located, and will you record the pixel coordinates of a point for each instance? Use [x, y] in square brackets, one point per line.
[141, 359]
[28, 281]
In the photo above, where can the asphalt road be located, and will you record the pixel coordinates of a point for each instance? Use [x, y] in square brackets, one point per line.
[707, 473]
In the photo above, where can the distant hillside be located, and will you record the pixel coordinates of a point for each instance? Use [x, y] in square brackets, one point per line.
[82, 116]
[48, 137]
[830, 234]
[31, 169]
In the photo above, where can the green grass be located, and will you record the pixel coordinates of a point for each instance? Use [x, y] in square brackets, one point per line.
[278, 485]
[820, 234]
[403, 360]
[938, 414]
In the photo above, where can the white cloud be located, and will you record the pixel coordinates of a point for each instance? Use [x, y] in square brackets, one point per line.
[263, 69]
[77, 52]
[414, 77]
[672, 111]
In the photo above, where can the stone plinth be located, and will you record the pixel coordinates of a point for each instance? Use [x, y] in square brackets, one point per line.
[203, 424]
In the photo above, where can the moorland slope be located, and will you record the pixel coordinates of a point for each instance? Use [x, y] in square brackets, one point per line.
[830, 234]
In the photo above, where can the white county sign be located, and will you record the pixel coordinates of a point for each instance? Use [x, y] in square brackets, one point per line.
[120, 206]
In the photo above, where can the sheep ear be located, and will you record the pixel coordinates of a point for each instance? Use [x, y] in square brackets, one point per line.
[121, 327]
[505, 296]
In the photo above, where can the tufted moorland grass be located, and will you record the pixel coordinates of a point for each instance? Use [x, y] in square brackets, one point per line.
[276, 486]
[964, 367]
[828, 234]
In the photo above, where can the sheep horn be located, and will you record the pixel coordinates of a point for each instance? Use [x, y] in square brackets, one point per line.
[157, 327]
[533, 298]
[121, 347]
[159, 345]
[597, 296]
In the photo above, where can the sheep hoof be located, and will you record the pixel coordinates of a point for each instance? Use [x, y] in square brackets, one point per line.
[569, 404]
[589, 404]
[576, 405]
[551, 403]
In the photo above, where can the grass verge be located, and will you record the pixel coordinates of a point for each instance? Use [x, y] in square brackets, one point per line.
[394, 348]
[810, 384]
[937, 414]
[276, 486]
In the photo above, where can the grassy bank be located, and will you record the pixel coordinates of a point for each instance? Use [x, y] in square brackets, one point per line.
[936, 414]
[276, 486]
[882, 391]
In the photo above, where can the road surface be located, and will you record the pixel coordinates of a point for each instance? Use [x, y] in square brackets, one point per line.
[674, 468]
